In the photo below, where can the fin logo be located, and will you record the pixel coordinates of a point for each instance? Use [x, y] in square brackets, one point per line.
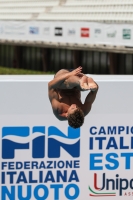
[22, 138]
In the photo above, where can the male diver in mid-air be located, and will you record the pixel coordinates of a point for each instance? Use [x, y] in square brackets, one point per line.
[65, 95]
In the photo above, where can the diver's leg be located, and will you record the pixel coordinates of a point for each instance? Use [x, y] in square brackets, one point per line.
[81, 82]
[70, 82]
[60, 72]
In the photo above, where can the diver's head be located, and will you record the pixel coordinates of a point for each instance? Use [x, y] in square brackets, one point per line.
[75, 116]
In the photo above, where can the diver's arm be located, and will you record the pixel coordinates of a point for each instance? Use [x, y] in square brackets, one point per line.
[86, 107]
[56, 82]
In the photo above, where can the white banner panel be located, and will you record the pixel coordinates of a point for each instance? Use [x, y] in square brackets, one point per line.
[15, 30]
[110, 34]
[72, 32]
[47, 31]
[98, 33]
[43, 158]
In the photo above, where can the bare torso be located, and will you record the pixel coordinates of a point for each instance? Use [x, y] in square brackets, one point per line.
[67, 97]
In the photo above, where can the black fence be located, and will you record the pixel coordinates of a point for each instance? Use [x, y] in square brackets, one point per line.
[53, 59]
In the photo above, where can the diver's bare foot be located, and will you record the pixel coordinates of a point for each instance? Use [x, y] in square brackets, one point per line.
[87, 83]
[92, 85]
[84, 83]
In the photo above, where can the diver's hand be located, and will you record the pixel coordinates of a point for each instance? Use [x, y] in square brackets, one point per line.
[76, 72]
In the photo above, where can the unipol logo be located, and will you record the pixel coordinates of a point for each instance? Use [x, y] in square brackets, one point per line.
[98, 191]
[85, 32]
[116, 185]
[34, 139]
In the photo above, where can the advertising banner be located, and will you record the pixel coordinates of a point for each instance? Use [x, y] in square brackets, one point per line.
[110, 157]
[83, 33]
[44, 158]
